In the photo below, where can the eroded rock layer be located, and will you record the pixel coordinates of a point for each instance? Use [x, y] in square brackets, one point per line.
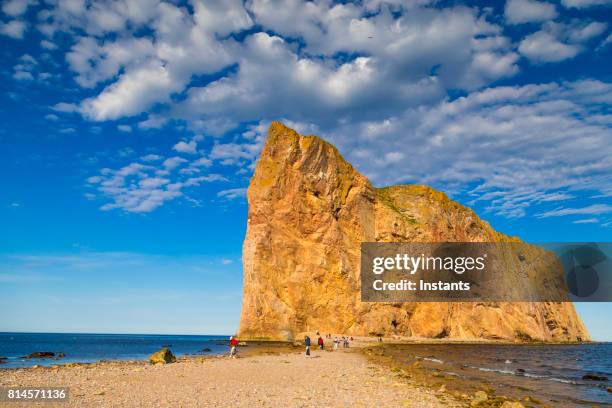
[309, 210]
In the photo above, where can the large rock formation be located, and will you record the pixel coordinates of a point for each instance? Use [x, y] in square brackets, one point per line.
[309, 210]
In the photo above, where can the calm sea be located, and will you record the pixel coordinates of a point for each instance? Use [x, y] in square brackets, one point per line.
[551, 373]
[96, 347]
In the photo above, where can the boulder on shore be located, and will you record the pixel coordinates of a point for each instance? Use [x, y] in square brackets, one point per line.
[163, 356]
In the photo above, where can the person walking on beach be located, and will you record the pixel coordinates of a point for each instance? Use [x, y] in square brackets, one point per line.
[233, 345]
[335, 343]
[321, 343]
[307, 342]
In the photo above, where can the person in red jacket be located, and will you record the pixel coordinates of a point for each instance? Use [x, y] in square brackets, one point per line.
[233, 345]
[321, 343]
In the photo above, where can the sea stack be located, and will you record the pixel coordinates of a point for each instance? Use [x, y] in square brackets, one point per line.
[309, 211]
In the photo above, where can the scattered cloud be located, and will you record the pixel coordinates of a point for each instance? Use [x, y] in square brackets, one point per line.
[145, 185]
[529, 11]
[25, 69]
[151, 157]
[16, 8]
[594, 209]
[544, 47]
[173, 162]
[401, 59]
[585, 3]
[48, 45]
[13, 28]
[186, 147]
[587, 221]
[358, 73]
[557, 41]
[65, 107]
[509, 148]
[232, 193]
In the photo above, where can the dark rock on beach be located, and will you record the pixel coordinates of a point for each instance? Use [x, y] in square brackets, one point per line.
[594, 377]
[3, 360]
[41, 354]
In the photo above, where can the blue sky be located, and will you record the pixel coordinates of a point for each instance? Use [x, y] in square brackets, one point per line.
[129, 131]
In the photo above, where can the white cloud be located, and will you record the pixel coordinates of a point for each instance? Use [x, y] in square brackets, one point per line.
[232, 193]
[585, 3]
[151, 157]
[587, 221]
[16, 8]
[48, 45]
[404, 58]
[557, 41]
[132, 93]
[579, 33]
[65, 107]
[593, 209]
[545, 47]
[23, 76]
[607, 41]
[186, 147]
[528, 11]
[141, 187]
[124, 128]
[25, 69]
[13, 28]
[202, 162]
[173, 162]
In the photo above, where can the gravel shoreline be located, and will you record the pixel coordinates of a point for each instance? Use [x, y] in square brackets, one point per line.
[343, 378]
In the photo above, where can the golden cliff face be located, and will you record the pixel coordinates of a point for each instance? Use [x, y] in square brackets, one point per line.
[309, 211]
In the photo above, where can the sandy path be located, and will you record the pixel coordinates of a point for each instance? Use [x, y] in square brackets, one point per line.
[329, 379]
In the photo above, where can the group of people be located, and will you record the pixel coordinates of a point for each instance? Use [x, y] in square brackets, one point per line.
[344, 341]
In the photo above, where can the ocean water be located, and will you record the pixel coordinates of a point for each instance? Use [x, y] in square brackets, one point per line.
[95, 347]
[551, 373]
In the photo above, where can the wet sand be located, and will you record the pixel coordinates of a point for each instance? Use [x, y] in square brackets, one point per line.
[537, 375]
